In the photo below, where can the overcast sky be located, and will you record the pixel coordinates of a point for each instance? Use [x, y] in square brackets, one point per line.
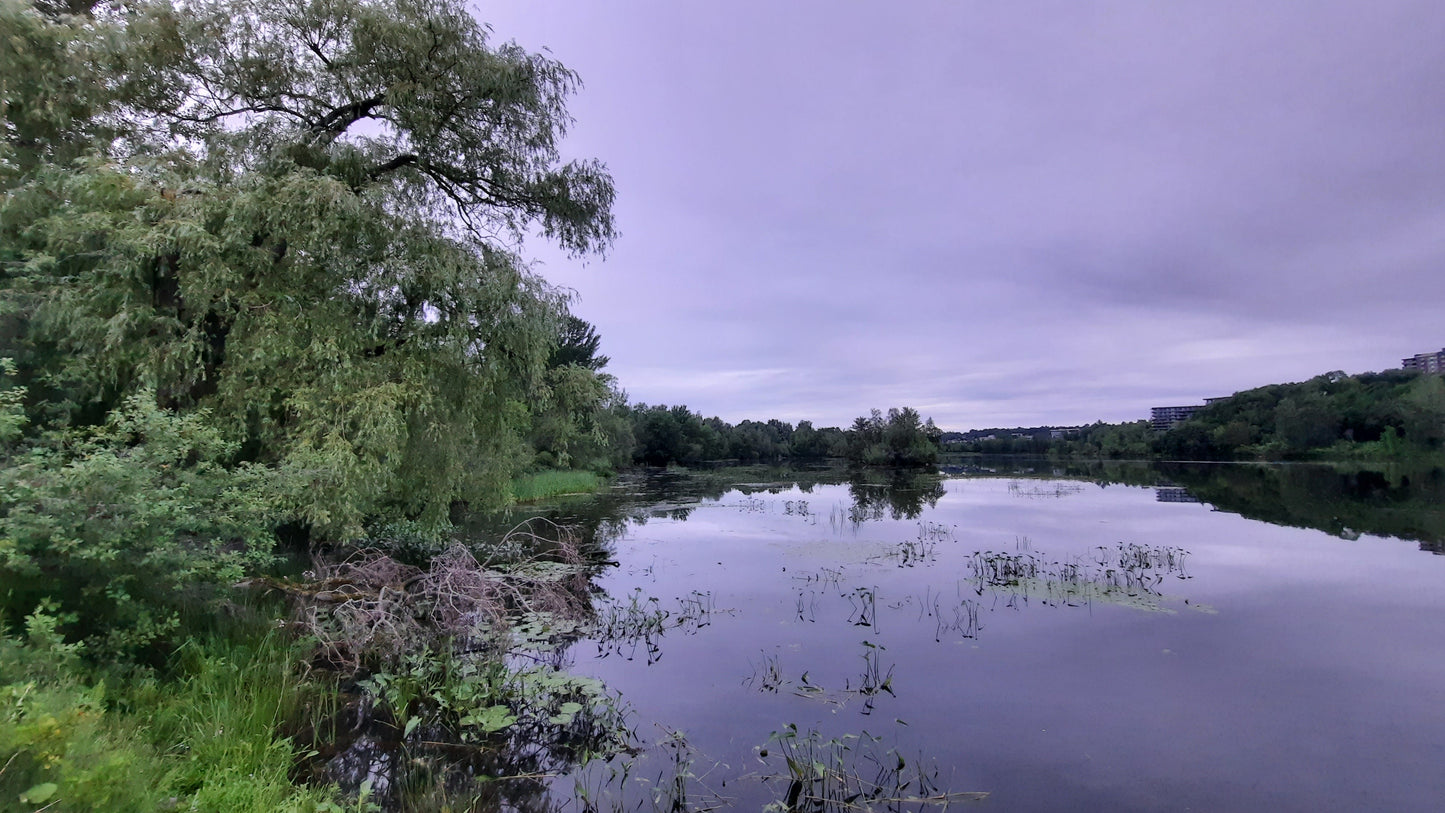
[1002, 213]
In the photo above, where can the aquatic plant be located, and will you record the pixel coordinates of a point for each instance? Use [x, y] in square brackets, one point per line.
[910, 553]
[875, 679]
[768, 676]
[554, 483]
[620, 627]
[865, 608]
[1128, 573]
[852, 772]
[678, 785]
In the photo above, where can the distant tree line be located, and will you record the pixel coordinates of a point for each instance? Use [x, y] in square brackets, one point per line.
[580, 419]
[1373, 415]
[663, 435]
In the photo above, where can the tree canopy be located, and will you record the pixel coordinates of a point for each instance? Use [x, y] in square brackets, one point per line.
[301, 216]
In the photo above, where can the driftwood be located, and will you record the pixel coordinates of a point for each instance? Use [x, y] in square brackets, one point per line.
[369, 608]
[325, 591]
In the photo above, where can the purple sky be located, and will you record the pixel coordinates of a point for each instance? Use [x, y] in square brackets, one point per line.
[1002, 213]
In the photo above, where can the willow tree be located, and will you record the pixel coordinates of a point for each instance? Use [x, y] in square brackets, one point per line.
[301, 219]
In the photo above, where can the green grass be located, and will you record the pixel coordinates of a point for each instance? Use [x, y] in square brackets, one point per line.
[207, 737]
[544, 484]
[222, 721]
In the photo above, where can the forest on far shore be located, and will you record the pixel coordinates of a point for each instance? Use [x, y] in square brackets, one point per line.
[1394, 414]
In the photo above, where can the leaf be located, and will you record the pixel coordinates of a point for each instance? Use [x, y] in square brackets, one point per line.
[410, 727]
[490, 719]
[39, 794]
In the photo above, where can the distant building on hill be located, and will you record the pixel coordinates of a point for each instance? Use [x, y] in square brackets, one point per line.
[1166, 417]
[1425, 362]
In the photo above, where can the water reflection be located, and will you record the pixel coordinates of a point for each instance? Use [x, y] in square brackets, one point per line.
[900, 494]
[634, 499]
[1174, 494]
[636, 626]
[1407, 502]
[857, 599]
[1344, 503]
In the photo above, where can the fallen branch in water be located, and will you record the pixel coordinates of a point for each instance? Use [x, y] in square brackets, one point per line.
[368, 608]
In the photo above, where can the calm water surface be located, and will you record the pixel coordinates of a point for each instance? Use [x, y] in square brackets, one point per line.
[1059, 644]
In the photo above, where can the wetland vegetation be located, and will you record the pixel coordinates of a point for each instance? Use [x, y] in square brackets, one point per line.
[960, 625]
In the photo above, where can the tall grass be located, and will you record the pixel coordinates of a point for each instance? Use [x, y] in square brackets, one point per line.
[208, 736]
[544, 484]
[223, 722]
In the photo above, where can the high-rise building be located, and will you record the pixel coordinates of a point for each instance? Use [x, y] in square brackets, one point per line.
[1426, 362]
[1165, 417]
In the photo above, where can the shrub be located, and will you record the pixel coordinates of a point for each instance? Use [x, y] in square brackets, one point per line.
[127, 526]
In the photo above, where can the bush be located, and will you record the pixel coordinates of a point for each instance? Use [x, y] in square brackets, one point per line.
[126, 527]
[57, 743]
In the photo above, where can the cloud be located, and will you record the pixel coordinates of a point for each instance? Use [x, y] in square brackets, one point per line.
[1005, 213]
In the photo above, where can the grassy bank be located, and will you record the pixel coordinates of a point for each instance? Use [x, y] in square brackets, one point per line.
[205, 736]
[544, 484]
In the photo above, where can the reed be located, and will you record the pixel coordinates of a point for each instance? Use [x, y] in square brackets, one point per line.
[545, 484]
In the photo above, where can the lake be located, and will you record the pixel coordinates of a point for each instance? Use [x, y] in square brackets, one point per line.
[1086, 637]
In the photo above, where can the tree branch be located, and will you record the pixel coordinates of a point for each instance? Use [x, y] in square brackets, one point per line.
[335, 123]
[403, 160]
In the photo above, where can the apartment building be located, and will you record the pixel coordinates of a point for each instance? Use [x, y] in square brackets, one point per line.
[1425, 362]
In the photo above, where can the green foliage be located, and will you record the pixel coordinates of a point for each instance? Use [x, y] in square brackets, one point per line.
[668, 435]
[1347, 415]
[567, 414]
[207, 740]
[129, 525]
[294, 233]
[900, 439]
[477, 697]
[1386, 415]
[675, 435]
[257, 266]
[1423, 411]
[577, 345]
[223, 718]
[12, 406]
[546, 484]
[610, 446]
[56, 744]
[59, 749]
[50, 93]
